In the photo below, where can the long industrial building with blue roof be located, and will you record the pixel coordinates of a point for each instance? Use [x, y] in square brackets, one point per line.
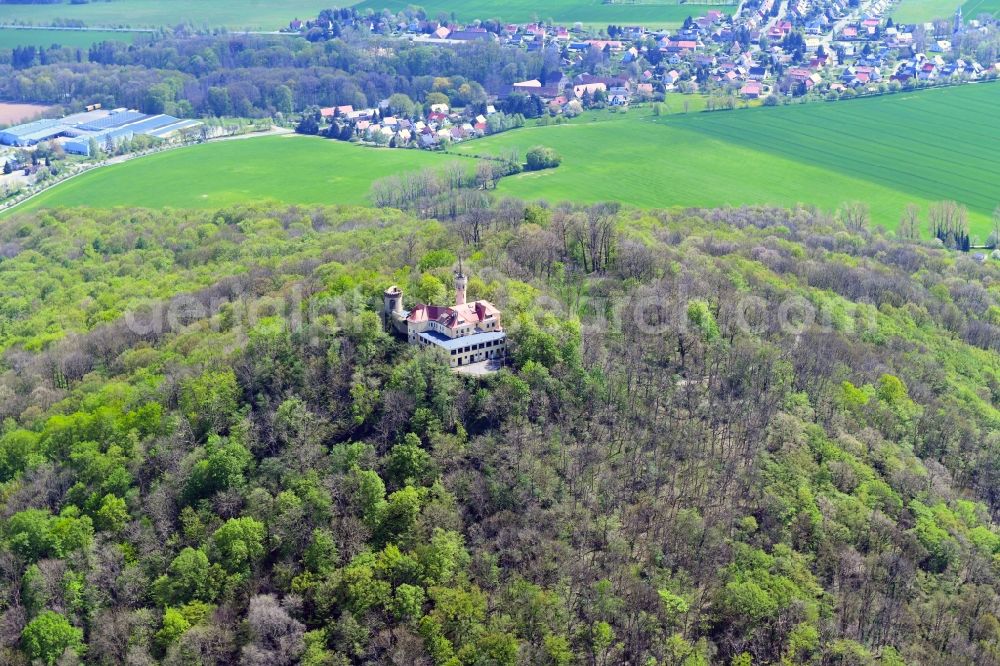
[76, 132]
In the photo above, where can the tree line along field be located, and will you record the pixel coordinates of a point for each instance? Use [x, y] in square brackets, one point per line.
[236, 14]
[650, 12]
[879, 151]
[82, 39]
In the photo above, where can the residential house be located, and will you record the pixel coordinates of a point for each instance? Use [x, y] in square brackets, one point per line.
[618, 96]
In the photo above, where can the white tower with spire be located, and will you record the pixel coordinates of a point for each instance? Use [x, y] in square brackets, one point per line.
[461, 283]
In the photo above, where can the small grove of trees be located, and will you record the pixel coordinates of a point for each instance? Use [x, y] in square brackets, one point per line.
[950, 224]
[310, 122]
[437, 193]
[542, 157]
[909, 223]
[855, 215]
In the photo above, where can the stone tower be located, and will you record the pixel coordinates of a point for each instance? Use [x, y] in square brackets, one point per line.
[392, 304]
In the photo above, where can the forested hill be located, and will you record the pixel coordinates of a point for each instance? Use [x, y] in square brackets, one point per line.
[742, 436]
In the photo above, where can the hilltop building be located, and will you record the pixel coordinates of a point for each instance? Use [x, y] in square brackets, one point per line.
[466, 332]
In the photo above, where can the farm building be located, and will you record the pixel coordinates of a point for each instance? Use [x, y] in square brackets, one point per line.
[29, 134]
[99, 125]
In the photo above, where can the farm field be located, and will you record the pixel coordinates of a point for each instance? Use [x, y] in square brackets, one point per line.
[11, 37]
[817, 154]
[236, 14]
[824, 154]
[561, 11]
[292, 169]
[921, 11]
[886, 140]
[12, 113]
[973, 8]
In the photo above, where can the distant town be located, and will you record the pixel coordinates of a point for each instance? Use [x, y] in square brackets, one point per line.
[759, 52]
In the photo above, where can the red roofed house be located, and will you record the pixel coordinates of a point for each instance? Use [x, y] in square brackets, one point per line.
[752, 89]
[465, 332]
[779, 29]
[591, 88]
[681, 45]
[599, 44]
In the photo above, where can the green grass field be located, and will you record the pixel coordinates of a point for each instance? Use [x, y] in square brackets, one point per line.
[921, 11]
[11, 37]
[594, 12]
[888, 152]
[235, 14]
[293, 169]
[932, 144]
[270, 15]
[973, 8]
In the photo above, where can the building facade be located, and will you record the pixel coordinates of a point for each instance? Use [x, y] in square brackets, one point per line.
[467, 332]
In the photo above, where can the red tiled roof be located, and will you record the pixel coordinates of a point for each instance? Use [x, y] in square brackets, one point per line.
[452, 316]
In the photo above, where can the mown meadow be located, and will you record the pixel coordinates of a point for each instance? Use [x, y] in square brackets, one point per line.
[292, 169]
[249, 14]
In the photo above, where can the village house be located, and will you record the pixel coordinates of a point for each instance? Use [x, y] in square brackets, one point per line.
[584, 88]
[618, 97]
[751, 89]
[466, 332]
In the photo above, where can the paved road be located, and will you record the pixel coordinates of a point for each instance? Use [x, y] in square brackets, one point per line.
[14, 26]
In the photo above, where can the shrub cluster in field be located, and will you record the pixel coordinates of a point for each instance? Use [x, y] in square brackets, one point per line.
[541, 157]
[725, 436]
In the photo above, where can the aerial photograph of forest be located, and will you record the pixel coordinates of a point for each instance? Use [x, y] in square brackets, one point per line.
[480, 333]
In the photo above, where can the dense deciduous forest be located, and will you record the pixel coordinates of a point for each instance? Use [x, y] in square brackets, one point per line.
[255, 76]
[726, 436]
